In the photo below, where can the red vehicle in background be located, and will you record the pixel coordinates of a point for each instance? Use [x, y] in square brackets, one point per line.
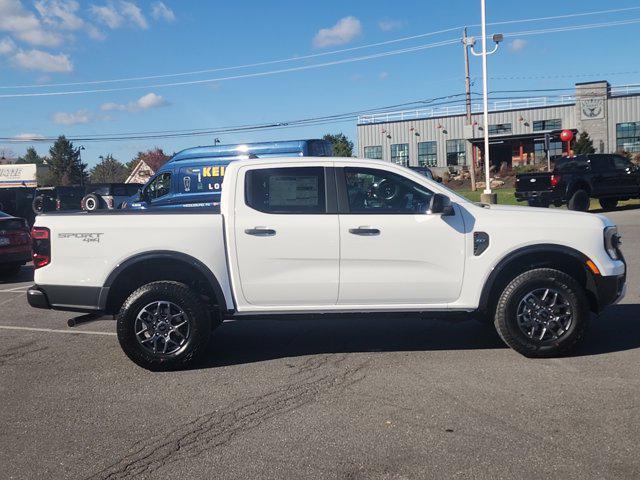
[15, 244]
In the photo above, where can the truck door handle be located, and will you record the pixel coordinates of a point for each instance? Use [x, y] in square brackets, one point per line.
[365, 231]
[260, 232]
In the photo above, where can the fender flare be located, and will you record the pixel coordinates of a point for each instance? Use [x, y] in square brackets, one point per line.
[528, 250]
[159, 255]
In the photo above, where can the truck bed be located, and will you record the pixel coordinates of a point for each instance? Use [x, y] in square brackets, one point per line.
[530, 182]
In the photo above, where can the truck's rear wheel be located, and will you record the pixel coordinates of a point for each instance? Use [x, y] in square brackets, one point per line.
[163, 326]
[608, 203]
[579, 201]
[542, 313]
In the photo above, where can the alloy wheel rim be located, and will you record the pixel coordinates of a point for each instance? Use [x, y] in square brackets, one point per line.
[544, 314]
[162, 327]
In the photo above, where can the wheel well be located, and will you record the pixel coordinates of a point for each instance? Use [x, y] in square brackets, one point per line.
[564, 262]
[579, 186]
[150, 270]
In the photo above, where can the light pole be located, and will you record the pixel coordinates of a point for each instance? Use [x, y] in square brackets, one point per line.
[487, 196]
[80, 148]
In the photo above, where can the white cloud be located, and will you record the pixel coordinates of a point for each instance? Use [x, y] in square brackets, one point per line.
[115, 15]
[131, 11]
[60, 14]
[389, 25]
[161, 11]
[24, 25]
[345, 30]
[517, 45]
[150, 100]
[72, 118]
[43, 61]
[7, 46]
[108, 15]
[28, 136]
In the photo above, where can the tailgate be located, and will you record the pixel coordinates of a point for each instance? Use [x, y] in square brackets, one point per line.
[533, 182]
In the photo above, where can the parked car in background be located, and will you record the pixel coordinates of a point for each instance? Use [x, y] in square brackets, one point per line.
[108, 195]
[193, 177]
[328, 236]
[575, 180]
[15, 244]
[427, 172]
[50, 199]
[17, 201]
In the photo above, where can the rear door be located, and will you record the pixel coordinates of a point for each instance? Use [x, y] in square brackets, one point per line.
[604, 179]
[286, 236]
[392, 252]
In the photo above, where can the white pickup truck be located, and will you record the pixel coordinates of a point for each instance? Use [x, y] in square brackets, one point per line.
[331, 236]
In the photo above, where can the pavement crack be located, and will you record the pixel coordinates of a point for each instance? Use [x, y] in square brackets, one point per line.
[316, 376]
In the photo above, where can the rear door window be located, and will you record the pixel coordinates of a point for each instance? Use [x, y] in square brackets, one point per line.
[298, 190]
[601, 163]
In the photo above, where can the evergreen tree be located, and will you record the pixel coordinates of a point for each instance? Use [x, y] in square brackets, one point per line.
[31, 157]
[584, 145]
[109, 170]
[342, 146]
[66, 167]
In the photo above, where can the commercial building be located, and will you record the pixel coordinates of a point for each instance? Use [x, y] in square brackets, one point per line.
[441, 136]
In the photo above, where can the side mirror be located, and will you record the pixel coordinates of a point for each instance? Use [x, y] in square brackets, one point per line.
[440, 205]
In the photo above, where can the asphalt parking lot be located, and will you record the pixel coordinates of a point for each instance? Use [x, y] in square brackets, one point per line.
[388, 398]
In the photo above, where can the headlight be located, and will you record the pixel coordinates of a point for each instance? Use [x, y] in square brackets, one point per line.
[612, 242]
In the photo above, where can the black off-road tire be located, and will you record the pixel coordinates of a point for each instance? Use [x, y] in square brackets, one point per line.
[608, 203]
[42, 204]
[579, 201]
[506, 321]
[179, 294]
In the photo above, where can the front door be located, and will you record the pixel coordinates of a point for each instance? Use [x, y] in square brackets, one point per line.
[287, 237]
[392, 251]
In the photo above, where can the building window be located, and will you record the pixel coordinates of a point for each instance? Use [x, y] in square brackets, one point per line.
[400, 154]
[628, 136]
[499, 128]
[374, 153]
[542, 125]
[456, 152]
[427, 154]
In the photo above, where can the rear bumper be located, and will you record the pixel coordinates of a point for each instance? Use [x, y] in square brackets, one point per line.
[68, 298]
[15, 257]
[546, 195]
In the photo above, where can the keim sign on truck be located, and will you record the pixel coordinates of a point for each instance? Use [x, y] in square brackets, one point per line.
[18, 175]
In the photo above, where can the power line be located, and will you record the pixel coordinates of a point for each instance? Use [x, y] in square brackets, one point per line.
[237, 77]
[455, 99]
[315, 55]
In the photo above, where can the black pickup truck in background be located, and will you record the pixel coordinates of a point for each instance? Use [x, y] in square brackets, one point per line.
[575, 180]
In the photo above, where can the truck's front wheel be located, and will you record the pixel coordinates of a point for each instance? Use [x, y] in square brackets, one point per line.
[163, 326]
[542, 313]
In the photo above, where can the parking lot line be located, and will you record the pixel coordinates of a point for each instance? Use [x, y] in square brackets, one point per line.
[53, 330]
[14, 290]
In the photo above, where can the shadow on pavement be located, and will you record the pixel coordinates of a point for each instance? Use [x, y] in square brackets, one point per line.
[618, 209]
[616, 330]
[247, 341]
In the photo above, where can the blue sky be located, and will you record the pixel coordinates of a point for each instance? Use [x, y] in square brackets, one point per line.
[65, 41]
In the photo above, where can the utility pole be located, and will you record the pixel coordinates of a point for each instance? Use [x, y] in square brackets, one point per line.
[467, 84]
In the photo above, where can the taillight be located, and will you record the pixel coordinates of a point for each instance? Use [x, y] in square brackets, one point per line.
[41, 237]
[555, 180]
[58, 204]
